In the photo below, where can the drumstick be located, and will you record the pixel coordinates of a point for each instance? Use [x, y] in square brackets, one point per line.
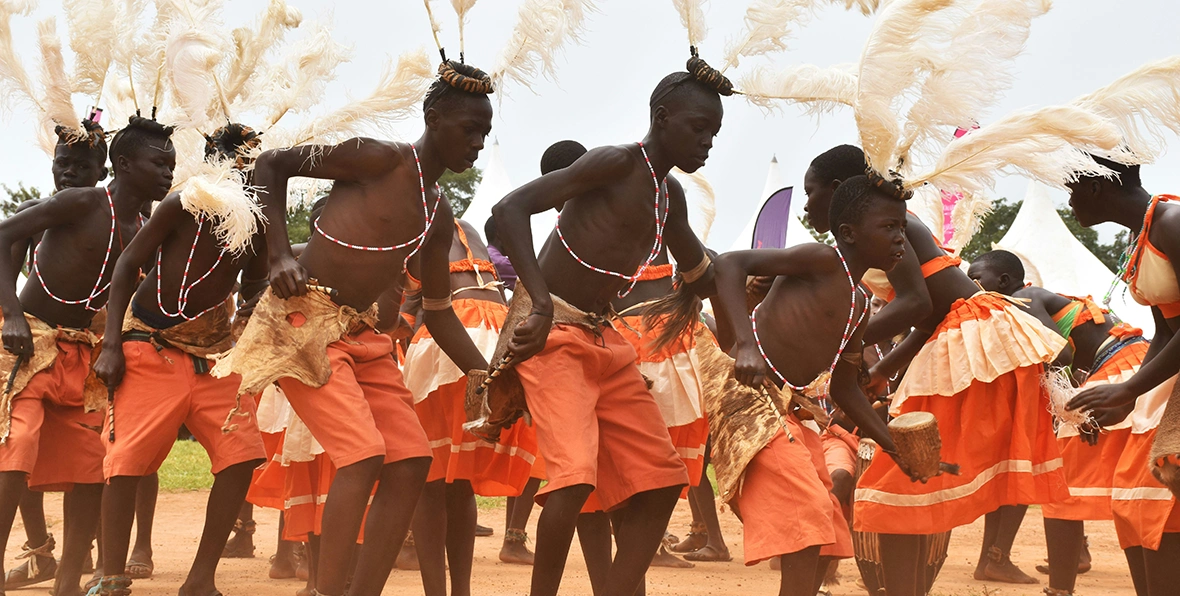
[495, 372]
[332, 293]
[111, 407]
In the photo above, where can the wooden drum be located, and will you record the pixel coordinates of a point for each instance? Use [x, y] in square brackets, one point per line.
[918, 443]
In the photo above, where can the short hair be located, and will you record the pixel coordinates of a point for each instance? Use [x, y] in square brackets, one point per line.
[1002, 261]
[561, 155]
[139, 131]
[489, 230]
[457, 80]
[839, 163]
[90, 135]
[1128, 175]
[852, 199]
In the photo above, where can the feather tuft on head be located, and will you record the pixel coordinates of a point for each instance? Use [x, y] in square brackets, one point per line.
[692, 16]
[706, 205]
[866, 7]
[300, 81]
[16, 83]
[218, 192]
[542, 28]
[93, 36]
[191, 59]
[59, 107]
[818, 90]
[1142, 104]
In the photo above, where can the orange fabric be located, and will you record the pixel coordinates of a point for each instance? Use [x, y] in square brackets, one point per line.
[364, 410]
[1123, 330]
[1090, 311]
[596, 422]
[1000, 433]
[538, 471]
[53, 438]
[161, 391]
[1144, 510]
[473, 264]
[688, 439]
[840, 449]
[1090, 469]
[655, 272]
[786, 501]
[937, 264]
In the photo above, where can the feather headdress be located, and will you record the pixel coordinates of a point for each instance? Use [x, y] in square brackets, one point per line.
[16, 80]
[300, 80]
[706, 206]
[250, 45]
[542, 28]
[461, 7]
[818, 89]
[93, 40]
[1141, 104]
[218, 191]
[767, 28]
[58, 108]
[692, 16]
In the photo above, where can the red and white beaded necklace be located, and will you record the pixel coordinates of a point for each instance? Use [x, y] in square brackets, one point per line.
[98, 288]
[849, 328]
[656, 248]
[185, 287]
[427, 214]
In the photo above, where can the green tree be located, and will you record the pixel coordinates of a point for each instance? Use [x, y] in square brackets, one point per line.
[999, 221]
[299, 218]
[825, 237]
[460, 188]
[17, 196]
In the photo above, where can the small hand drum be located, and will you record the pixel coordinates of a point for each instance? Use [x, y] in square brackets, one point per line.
[919, 445]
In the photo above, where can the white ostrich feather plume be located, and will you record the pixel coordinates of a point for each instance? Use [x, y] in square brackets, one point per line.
[299, 81]
[1142, 104]
[17, 85]
[59, 108]
[706, 206]
[967, 217]
[542, 28]
[866, 7]
[968, 75]
[692, 16]
[767, 29]
[251, 44]
[1049, 145]
[218, 192]
[818, 90]
[890, 64]
[93, 36]
[191, 59]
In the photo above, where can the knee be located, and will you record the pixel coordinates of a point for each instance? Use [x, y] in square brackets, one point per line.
[238, 470]
[414, 470]
[366, 468]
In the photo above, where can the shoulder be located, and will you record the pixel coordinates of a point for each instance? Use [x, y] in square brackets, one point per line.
[675, 188]
[1167, 219]
[473, 235]
[614, 160]
[1041, 296]
[76, 197]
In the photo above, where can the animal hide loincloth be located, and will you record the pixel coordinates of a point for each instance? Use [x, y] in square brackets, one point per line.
[45, 338]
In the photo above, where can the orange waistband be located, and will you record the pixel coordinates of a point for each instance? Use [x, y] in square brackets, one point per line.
[938, 264]
[471, 265]
[655, 272]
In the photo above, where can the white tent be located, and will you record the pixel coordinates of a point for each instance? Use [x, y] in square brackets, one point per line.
[796, 232]
[493, 187]
[1055, 260]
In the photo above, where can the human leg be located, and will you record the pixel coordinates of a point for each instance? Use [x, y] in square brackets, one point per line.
[225, 499]
[1163, 572]
[241, 544]
[515, 549]
[902, 562]
[83, 507]
[1063, 540]
[555, 533]
[461, 518]
[638, 535]
[389, 519]
[998, 565]
[799, 572]
[430, 530]
[594, 536]
[140, 564]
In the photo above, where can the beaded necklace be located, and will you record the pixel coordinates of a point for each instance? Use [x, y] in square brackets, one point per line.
[185, 287]
[427, 214]
[661, 219]
[98, 288]
[849, 329]
[1128, 264]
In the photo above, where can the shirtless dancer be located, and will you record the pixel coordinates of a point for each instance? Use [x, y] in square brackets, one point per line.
[598, 426]
[76, 164]
[384, 207]
[800, 331]
[464, 465]
[1101, 351]
[1145, 512]
[1007, 414]
[85, 230]
[155, 358]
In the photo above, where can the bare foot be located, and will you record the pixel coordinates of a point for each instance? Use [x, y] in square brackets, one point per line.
[241, 544]
[515, 550]
[1005, 571]
[664, 558]
[201, 588]
[281, 568]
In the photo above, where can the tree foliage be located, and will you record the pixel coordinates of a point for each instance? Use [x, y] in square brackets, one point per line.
[15, 197]
[999, 221]
[460, 188]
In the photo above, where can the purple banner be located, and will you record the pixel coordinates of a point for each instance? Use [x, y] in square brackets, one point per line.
[770, 229]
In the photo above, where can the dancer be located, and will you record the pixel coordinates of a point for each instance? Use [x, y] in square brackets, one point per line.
[785, 500]
[463, 465]
[81, 228]
[1145, 512]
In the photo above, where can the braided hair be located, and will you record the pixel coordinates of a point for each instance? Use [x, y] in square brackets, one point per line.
[136, 135]
[232, 141]
[456, 79]
[891, 185]
[700, 76]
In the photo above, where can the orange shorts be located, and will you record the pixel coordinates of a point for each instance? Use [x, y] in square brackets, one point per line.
[161, 391]
[840, 449]
[364, 410]
[1000, 434]
[786, 500]
[53, 439]
[596, 422]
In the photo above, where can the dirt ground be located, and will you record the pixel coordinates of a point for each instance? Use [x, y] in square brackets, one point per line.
[180, 515]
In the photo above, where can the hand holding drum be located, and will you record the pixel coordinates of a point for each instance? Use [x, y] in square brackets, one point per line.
[919, 446]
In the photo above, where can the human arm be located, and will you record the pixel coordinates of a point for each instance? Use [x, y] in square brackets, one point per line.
[684, 245]
[351, 160]
[442, 322]
[110, 365]
[513, 214]
[62, 209]
[911, 302]
[895, 360]
[732, 269]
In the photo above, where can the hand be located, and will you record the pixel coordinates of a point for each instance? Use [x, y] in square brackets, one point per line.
[749, 368]
[1104, 402]
[877, 385]
[1112, 416]
[18, 338]
[905, 469]
[287, 277]
[530, 336]
[247, 307]
[111, 365]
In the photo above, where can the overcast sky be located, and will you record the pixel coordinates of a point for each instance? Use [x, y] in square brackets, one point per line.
[600, 96]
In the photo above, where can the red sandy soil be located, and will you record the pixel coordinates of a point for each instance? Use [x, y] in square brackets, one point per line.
[180, 515]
